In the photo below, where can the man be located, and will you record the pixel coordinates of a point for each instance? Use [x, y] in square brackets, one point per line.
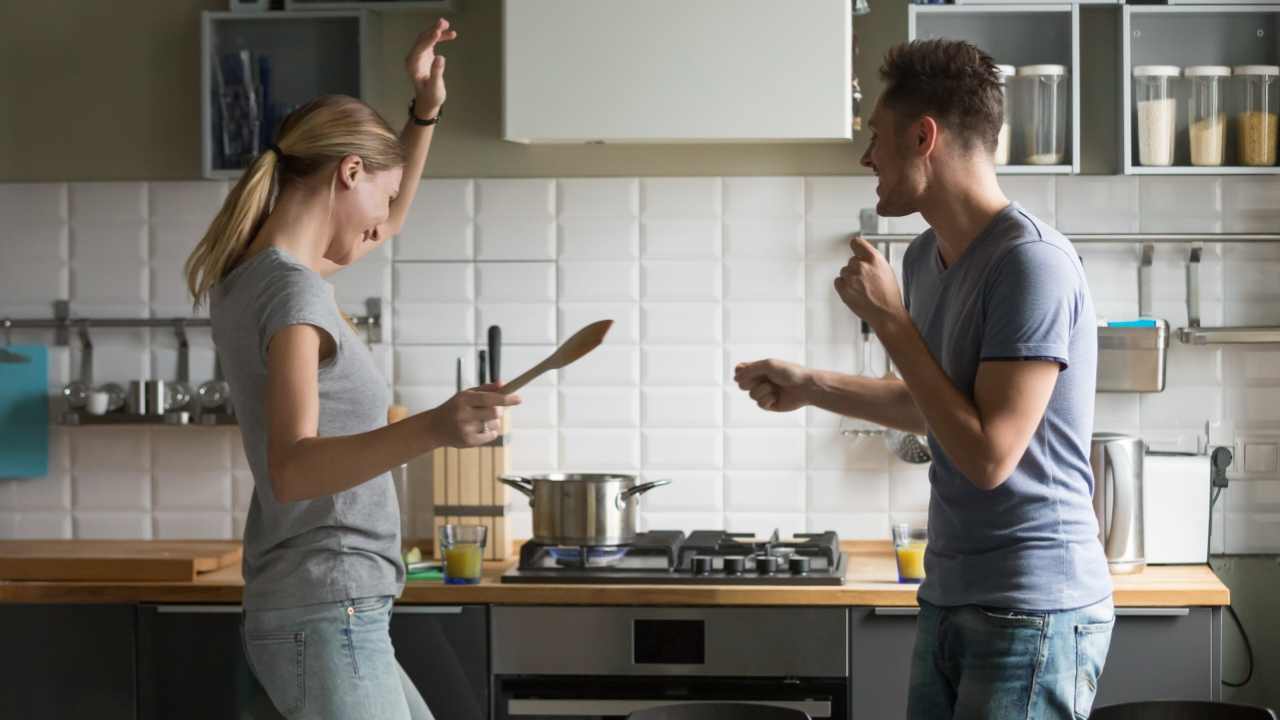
[996, 344]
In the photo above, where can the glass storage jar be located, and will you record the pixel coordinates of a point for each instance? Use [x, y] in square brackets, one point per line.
[1207, 113]
[1156, 110]
[1002, 145]
[1259, 103]
[1045, 120]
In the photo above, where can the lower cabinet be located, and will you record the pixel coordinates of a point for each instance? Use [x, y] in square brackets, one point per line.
[68, 661]
[1156, 654]
[445, 651]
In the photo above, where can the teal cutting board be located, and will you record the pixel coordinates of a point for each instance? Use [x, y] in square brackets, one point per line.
[24, 413]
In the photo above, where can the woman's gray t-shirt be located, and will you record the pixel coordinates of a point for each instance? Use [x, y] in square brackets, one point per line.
[329, 548]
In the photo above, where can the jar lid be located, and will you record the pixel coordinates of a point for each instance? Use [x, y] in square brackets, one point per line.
[1006, 71]
[1257, 70]
[1042, 70]
[1207, 71]
[1156, 71]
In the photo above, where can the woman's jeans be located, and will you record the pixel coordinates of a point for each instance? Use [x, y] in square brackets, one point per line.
[995, 664]
[331, 660]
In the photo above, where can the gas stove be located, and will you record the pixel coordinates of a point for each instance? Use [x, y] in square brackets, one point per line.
[704, 557]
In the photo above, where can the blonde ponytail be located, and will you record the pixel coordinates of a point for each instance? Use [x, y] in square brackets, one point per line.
[312, 140]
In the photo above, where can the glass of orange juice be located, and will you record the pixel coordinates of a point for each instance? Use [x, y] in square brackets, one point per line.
[463, 552]
[908, 545]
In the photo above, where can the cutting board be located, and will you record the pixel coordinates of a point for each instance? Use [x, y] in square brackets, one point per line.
[157, 560]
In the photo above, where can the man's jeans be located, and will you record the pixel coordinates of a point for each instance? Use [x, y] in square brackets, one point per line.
[996, 664]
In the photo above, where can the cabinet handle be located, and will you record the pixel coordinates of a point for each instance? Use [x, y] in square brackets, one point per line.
[427, 610]
[897, 611]
[199, 609]
[1153, 612]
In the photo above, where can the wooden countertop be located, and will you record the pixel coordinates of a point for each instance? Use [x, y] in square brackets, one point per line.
[870, 581]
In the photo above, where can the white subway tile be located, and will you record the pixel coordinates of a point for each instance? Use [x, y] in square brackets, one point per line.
[764, 491]
[1181, 407]
[599, 238]
[681, 365]
[112, 525]
[435, 323]
[434, 364]
[109, 288]
[354, 284]
[1261, 406]
[743, 412]
[774, 322]
[625, 317]
[192, 525]
[42, 526]
[600, 450]
[689, 491]
[33, 241]
[538, 408]
[105, 202]
[526, 323]
[518, 358]
[442, 198]
[1097, 204]
[680, 323]
[242, 490]
[1254, 280]
[854, 526]
[599, 407]
[606, 365]
[111, 490]
[238, 521]
[596, 281]
[764, 280]
[686, 521]
[193, 202]
[680, 197]
[681, 407]
[764, 238]
[680, 239]
[176, 450]
[827, 449]
[909, 487]
[772, 449]
[680, 280]
[763, 196]
[516, 282]
[858, 491]
[1190, 365]
[1180, 204]
[534, 451]
[171, 240]
[33, 203]
[531, 198]
[762, 525]
[683, 449]
[422, 398]
[1034, 193]
[31, 287]
[442, 238]
[1116, 412]
[111, 449]
[839, 197]
[49, 492]
[912, 224]
[502, 238]
[1258, 364]
[599, 197]
[435, 282]
[829, 238]
[1251, 204]
[169, 295]
[830, 321]
[192, 488]
[819, 283]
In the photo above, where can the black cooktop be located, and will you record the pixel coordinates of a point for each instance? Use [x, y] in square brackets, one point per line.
[704, 557]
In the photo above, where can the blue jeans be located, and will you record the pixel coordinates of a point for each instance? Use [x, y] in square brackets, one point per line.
[331, 660]
[995, 664]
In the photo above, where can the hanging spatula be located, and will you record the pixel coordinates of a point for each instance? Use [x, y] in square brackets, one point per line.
[582, 342]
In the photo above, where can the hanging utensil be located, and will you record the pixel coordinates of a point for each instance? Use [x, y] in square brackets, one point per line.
[853, 427]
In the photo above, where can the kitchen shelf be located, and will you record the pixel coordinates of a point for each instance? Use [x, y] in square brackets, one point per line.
[311, 53]
[1241, 335]
[1185, 35]
[1016, 34]
[116, 419]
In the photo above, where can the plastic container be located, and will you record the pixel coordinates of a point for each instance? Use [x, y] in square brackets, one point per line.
[1157, 112]
[1045, 121]
[1002, 146]
[1207, 113]
[1259, 109]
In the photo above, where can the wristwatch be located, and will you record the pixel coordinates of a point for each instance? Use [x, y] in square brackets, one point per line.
[424, 122]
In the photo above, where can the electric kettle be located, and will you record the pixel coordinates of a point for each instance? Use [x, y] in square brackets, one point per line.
[1117, 462]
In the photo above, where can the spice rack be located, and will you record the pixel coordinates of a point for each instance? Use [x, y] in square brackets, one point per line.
[1229, 35]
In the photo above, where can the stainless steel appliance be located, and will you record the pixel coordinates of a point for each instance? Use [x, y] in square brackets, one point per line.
[582, 509]
[668, 557]
[1132, 358]
[606, 662]
[1117, 462]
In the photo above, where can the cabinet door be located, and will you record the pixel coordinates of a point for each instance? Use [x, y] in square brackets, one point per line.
[445, 651]
[1163, 654]
[191, 664]
[67, 661]
[881, 641]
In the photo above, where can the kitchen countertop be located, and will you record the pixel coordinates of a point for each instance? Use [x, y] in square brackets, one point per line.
[870, 581]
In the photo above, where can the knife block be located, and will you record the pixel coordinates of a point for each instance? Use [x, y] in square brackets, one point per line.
[465, 489]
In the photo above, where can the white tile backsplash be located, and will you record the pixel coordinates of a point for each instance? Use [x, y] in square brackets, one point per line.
[698, 274]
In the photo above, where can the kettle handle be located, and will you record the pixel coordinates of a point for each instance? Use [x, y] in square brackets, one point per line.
[524, 485]
[1120, 498]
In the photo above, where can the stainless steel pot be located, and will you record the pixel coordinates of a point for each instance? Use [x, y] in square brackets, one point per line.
[588, 510]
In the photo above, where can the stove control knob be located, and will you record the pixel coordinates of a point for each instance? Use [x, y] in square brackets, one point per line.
[733, 565]
[701, 565]
[798, 565]
[766, 564]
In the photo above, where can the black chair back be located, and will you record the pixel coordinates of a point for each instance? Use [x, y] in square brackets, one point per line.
[1181, 710]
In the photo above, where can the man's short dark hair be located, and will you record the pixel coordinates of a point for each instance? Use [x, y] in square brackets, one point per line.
[950, 80]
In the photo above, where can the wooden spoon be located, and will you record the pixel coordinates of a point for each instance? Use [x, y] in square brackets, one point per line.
[582, 342]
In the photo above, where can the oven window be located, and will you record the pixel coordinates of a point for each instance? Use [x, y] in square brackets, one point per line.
[670, 642]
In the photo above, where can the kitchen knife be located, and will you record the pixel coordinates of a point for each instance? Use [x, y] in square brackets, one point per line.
[482, 369]
[495, 353]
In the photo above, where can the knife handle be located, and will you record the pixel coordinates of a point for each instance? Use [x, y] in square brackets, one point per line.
[482, 369]
[495, 353]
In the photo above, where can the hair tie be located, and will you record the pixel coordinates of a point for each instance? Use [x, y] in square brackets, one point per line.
[276, 149]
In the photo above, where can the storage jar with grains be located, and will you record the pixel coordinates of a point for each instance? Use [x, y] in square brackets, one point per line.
[1207, 113]
[1002, 144]
[1157, 112]
[1045, 120]
[1259, 103]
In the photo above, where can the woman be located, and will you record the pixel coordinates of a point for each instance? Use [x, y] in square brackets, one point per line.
[322, 542]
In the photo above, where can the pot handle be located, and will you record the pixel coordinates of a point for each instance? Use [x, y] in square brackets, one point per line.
[640, 489]
[524, 485]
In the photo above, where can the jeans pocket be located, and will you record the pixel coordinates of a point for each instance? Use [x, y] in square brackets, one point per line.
[279, 662]
[373, 603]
[1093, 640]
[1001, 617]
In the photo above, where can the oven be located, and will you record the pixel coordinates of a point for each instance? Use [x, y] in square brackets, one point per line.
[587, 662]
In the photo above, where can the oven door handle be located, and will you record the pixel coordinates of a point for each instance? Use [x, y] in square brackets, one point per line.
[536, 707]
